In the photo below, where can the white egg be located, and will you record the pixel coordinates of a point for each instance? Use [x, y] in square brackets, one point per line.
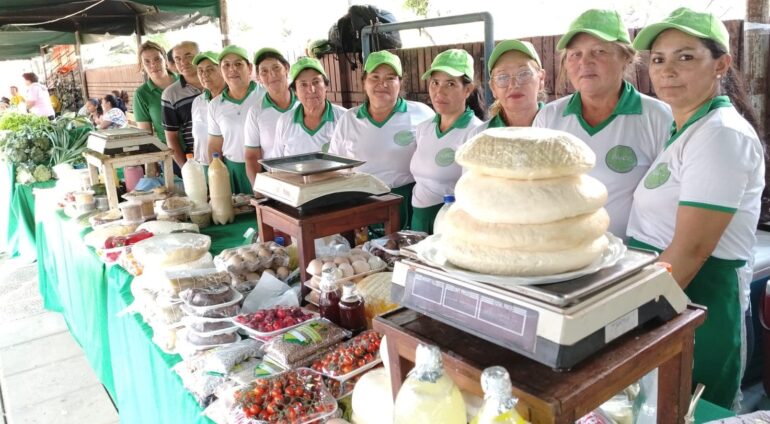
[328, 265]
[375, 262]
[341, 260]
[314, 267]
[347, 270]
[282, 272]
[361, 266]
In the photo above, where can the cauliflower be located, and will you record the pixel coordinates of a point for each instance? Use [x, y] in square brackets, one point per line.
[42, 173]
[23, 175]
[38, 155]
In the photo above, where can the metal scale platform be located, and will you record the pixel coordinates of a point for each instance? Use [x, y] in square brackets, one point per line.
[557, 324]
[127, 140]
[314, 180]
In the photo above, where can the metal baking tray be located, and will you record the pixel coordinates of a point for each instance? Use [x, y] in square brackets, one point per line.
[310, 163]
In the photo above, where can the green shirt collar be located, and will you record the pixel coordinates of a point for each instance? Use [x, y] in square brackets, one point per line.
[226, 93]
[206, 95]
[363, 112]
[461, 122]
[498, 122]
[299, 117]
[154, 87]
[268, 102]
[714, 103]
[629, 103]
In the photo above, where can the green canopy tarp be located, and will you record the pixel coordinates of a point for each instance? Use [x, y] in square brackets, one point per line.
[24, 43]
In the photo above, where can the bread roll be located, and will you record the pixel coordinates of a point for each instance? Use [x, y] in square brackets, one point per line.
[552, 236]
[526, 153]
[502, 261]
[505, 201]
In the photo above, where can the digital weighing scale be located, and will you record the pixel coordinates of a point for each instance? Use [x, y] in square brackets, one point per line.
[557, 324]
[313, 180]
[123, 140]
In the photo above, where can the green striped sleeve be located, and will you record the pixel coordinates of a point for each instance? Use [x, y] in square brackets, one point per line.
[709, 207]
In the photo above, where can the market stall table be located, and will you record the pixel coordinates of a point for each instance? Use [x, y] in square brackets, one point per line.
[550, 396]
[93, 298]
[20, 235]
[325, 221]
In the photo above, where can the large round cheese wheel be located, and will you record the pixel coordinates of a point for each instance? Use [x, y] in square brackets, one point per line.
[503, 261]
[501, 200]
[557, 235]
[526, 153]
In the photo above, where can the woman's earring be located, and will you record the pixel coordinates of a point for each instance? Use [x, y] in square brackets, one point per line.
[719, 76]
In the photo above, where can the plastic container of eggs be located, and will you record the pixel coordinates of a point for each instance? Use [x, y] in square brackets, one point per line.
[247, 263]
[353, 265]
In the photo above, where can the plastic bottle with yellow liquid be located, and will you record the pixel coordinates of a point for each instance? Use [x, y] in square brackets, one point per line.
[499, 404]
[220, 192]
[428, 395]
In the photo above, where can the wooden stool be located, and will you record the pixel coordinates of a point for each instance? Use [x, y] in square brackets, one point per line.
[107, 165]
[545, 395]
[325, 222]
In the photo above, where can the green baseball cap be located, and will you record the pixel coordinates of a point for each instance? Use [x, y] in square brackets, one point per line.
[455, 62]
[233, 49]
[305, 63]
[212, 56]
[701, 25]
[604, 24]
[505, 46]
[263, 51]
[383, 57]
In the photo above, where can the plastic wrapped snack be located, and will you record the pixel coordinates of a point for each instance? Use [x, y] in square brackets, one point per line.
[176, 281]
[224, 310]
[171, 249]
[167, 227]
[198, 342]
[97, 237]
[208, 326]
[297, 345]
[375, 290]
[199, 383]
[224, 359]
[254, 258]
[208, 296]
[387, 248]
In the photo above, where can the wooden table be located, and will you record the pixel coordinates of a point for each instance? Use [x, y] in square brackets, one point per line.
[322, 222]
[108, 165]
[545, 395]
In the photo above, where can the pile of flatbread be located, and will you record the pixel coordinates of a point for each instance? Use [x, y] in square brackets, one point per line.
[524, 205]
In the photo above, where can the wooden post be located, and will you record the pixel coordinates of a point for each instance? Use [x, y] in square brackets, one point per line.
[81, 70]
[224, 26]
[756, 62]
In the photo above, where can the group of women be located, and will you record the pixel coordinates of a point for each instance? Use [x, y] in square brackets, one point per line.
[684, 173]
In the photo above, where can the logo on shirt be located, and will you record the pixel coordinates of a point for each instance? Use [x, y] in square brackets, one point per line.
[621, 159]
[657, 177]
[325, 147]
[404, 138]
[445, 157]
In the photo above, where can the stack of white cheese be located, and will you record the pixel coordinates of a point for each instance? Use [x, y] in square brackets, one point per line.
[524, 205]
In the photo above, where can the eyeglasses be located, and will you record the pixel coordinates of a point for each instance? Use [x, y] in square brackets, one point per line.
[521, 78]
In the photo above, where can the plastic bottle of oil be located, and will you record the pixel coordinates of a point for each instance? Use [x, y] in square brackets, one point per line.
[428, 395]
[220, 192]
[499, 403]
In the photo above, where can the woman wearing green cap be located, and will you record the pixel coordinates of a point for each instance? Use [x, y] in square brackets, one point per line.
[516, 79]
[699, 203]
[382, 130]
[459, 110]
[311, 126]
[227, 114]
[625, 128]
[272, 71]
[210, 76]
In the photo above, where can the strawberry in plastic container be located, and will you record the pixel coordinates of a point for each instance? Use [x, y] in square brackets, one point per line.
[113, 244]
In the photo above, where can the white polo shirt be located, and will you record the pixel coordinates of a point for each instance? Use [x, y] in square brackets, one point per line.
[387, 147]
[292, 137]
[261, 124]
[625, 144]
[200, 127]
[227, 119]
[433, 163]
[714, 162]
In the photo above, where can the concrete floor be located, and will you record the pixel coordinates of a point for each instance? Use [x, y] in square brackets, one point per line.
[44, 376]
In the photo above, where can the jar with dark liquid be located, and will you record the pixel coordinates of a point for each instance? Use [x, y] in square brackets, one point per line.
[352, 311]
[329, 299]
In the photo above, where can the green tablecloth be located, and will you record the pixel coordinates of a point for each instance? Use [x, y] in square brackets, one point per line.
[21, 220]
[6, 196]
[706, 411]
[119, 347]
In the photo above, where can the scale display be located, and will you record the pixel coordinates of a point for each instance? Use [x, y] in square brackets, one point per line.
[502, 322]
